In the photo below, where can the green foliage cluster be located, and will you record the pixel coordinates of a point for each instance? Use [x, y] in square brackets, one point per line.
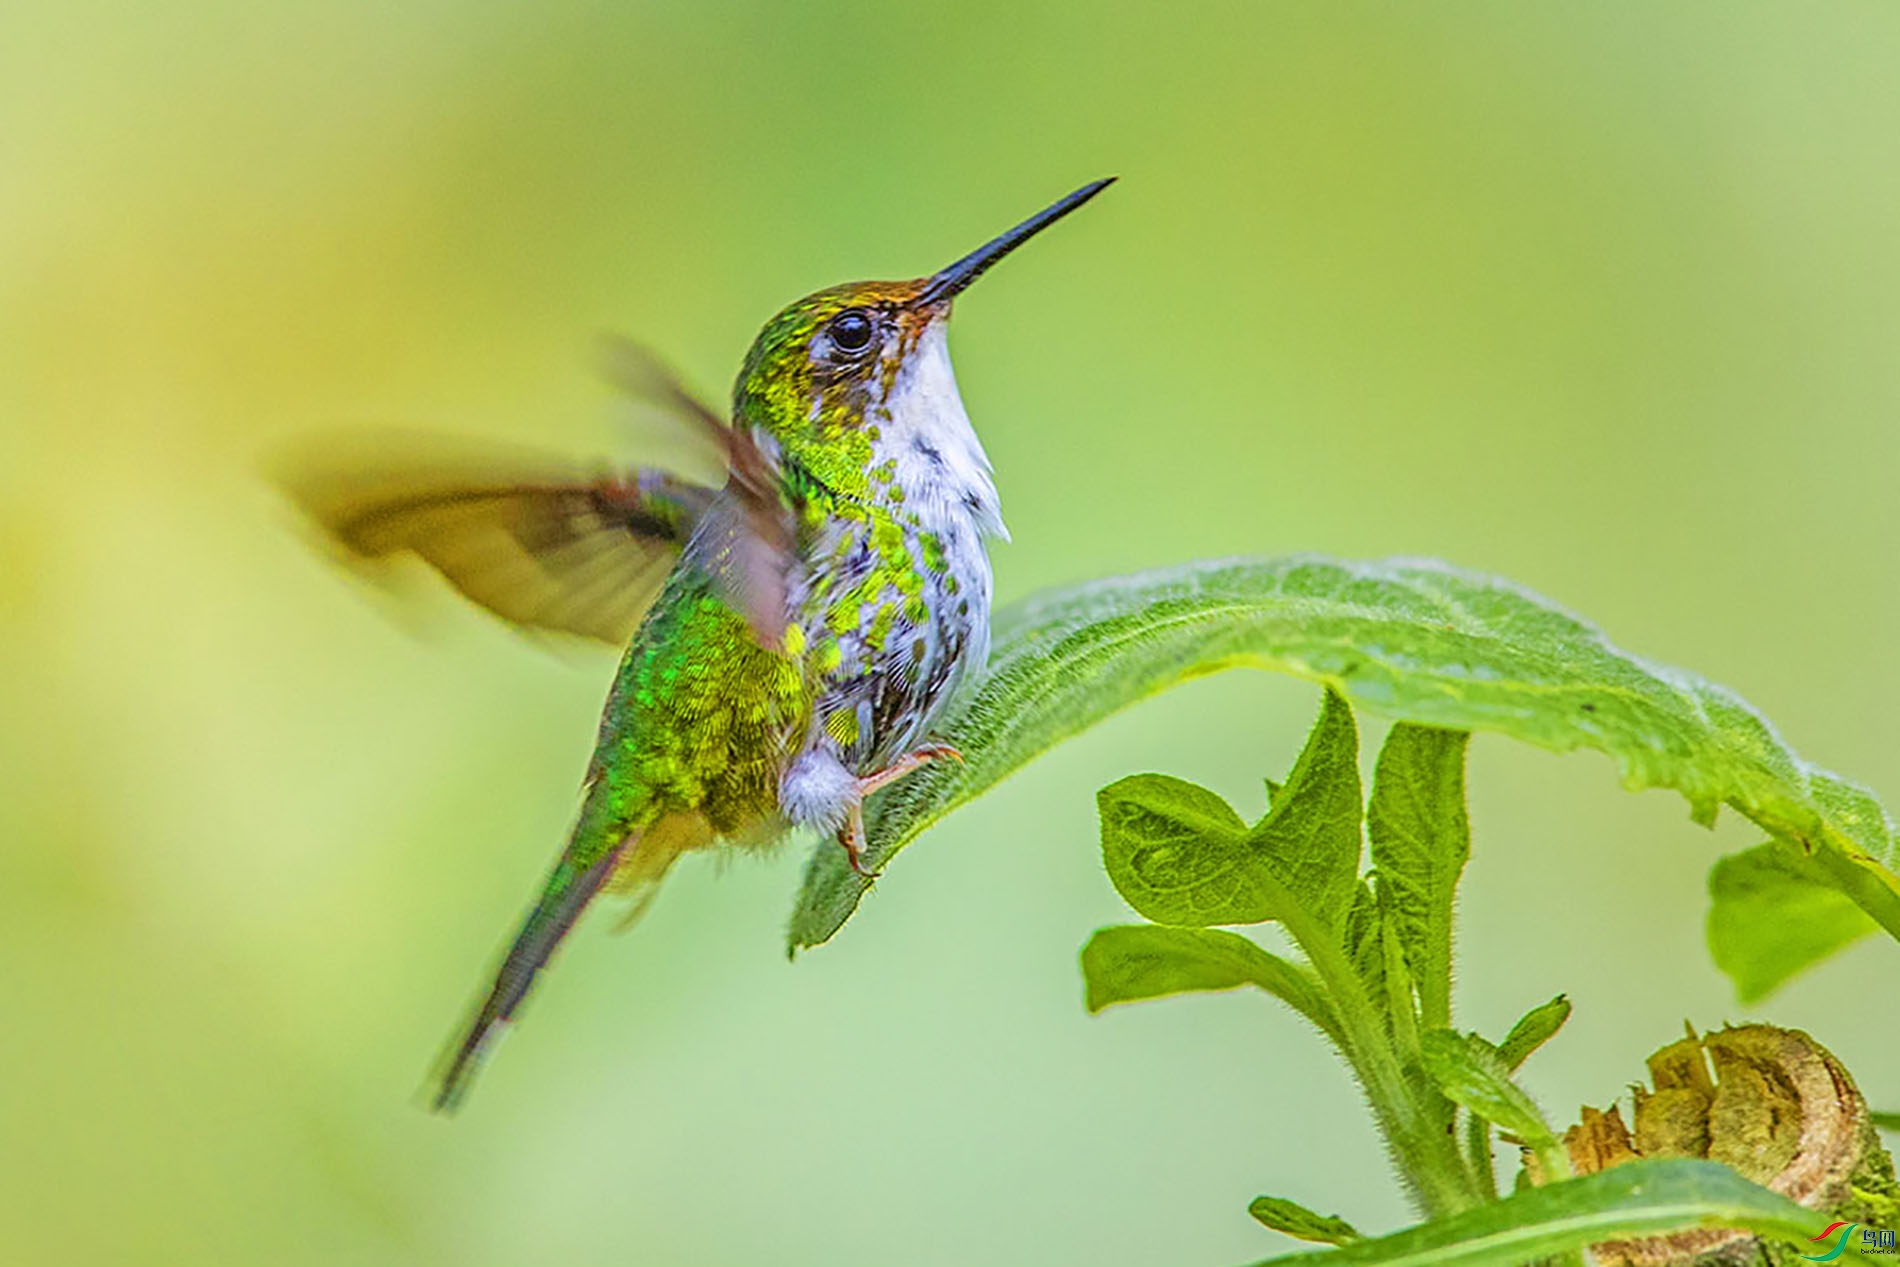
[1443, 653]
[1376, 973]
[1373, 976]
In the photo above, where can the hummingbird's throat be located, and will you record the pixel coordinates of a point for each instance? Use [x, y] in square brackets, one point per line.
[925, 455]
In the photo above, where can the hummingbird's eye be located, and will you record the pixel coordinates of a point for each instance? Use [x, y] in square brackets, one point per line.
[851, 331]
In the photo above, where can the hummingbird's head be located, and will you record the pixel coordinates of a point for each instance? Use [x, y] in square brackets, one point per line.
[840, 375]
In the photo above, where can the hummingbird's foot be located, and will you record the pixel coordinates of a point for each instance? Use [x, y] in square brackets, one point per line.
[905, 764]
[851, 836]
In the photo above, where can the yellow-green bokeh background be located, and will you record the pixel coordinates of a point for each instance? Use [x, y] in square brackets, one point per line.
[1602, 297]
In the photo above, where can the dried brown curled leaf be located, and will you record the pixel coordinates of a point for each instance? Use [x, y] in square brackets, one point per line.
[1771, 1103]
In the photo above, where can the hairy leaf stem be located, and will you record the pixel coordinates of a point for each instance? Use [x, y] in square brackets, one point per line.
[1426, 1157]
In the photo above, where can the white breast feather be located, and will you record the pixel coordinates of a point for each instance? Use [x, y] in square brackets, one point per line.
[941, 465]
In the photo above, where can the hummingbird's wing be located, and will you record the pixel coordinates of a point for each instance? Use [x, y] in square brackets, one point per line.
[662, 420]
[745, 537]
[549, 545]
[541, 544]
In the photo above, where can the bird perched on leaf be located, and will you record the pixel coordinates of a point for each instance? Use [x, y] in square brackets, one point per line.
[791, 635]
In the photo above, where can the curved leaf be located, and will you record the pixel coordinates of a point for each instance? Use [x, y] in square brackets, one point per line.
[1293, 1219]
[1126, 963]
[1180, 855]
[1640, 1198]
[1774, 911]
[1533, 1029]
[1421, 841]
[1414, 640]
[1471, 1073]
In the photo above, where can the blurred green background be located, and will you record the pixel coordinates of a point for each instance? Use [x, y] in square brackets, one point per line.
[1604, 298]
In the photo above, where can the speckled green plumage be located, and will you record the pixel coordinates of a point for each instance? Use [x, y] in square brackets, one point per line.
[819, 423]
[697, 719]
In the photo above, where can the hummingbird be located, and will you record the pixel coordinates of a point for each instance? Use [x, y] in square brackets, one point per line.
[790, 634]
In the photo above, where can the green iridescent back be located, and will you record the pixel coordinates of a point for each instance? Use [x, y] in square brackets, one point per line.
[699, 718]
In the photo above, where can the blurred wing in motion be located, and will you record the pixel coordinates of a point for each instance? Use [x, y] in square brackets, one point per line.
[538, 545]
[660, 419]
[554, 547]
[745, 541]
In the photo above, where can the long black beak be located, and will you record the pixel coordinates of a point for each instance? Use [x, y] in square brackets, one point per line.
[947, 284]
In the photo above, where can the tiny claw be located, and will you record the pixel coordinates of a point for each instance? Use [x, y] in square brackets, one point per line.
[851, 840]
[854, 854]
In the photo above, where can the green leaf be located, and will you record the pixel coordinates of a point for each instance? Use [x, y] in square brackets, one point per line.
[1887, 1121]
[1131, 962]
[1641, 1198]
[1532, 1031]
[1363, 939]
[1420, 842]
[1773, 912]
[1471, 1073]
[1311, 834]
[1301, 1223]
[1179, 855]
[1413, 640]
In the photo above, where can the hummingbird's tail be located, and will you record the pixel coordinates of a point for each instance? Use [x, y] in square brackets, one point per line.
[633, 867]
[568, 891]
